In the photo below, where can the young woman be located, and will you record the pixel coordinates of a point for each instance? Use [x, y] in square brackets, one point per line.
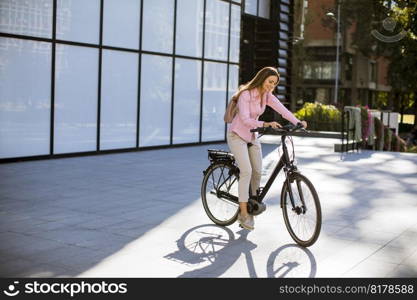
[252, 99]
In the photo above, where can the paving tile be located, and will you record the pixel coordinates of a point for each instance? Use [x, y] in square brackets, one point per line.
[139, 214]
[371, 268]
[411, 259]
[391, 254]
[404, 271]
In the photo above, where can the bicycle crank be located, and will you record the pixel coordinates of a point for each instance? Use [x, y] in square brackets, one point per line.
[255, 207]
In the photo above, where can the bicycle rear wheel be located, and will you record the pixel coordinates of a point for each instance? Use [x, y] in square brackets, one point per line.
[219, 193]
[303, 221]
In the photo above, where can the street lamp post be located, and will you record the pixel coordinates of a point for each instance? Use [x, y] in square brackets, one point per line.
[336, 82]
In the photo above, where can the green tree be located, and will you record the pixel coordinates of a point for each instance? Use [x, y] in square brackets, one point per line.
[389, 18]
[402, 74]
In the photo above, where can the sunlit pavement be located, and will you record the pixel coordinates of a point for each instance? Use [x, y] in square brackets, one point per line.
[139, 214]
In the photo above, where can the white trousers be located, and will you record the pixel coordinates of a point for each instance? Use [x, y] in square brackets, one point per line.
[249, 161]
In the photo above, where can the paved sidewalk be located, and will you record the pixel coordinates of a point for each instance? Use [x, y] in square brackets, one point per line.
[139, 214]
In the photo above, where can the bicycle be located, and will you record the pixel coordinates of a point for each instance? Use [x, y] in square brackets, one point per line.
[299, 201]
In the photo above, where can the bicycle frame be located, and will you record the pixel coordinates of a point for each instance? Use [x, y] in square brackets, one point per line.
[283, 163]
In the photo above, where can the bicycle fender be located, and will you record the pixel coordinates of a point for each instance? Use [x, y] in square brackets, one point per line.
[208, 168]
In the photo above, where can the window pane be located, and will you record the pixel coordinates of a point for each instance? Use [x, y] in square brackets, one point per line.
[158, 25]
[283, 35]
[119, 99]
[312, 70]
[283, 44]
[121, 23]
[283, 26]
[187, 101]
[25, 17]
[264, 8]
[78, 21]
[282, 62]
[214, 101]
[25, 97]
[284, 17]
[251, 7]
[285, 8]
[155, 100]
[328, 70]
[233, 80]
[217, 29]
[76, 77]
[283, 53]
[189, 37]
[307, 71]
[281, 89]
[235, 34]
[282, 71]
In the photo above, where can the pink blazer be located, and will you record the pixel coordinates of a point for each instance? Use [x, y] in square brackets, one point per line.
[250, 108]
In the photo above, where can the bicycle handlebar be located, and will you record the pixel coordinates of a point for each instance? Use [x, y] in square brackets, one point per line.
[285, 129]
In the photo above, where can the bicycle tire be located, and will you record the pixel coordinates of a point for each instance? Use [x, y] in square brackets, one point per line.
[221, 211]
[295, 218]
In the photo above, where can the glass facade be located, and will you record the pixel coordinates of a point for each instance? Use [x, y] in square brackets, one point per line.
[86, 76]
[189, 33]
[186, 101]
[214, 101]
[25, 93]
[119, 97]
[155, 104]
[80, 76]
[121, 23]
[217, 29]
[78, 21]
[158, 25]
[23, 17]
[235, 34]
[75, 108]
[259, 8]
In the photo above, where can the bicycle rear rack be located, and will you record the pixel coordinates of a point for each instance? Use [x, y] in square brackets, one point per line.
[220, 155]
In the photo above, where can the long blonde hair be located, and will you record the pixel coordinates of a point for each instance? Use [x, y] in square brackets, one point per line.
[256, 81]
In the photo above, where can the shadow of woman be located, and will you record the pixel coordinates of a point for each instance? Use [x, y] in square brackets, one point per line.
[291, 260]
[213, 250]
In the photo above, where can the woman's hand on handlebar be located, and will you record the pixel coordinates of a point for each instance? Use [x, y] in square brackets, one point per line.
[304, 123]
[273, 124]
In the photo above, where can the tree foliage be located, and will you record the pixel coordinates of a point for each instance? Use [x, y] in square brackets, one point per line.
[389, 18]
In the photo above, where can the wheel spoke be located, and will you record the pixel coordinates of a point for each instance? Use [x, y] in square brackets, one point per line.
[303, 224]
[219, 187]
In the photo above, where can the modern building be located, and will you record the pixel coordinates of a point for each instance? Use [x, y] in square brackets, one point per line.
[361, 80]
[95, 76]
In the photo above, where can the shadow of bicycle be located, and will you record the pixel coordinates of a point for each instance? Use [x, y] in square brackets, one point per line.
[210, 250]
[291, 260]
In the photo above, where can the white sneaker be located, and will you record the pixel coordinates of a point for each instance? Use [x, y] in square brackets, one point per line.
[247, 222]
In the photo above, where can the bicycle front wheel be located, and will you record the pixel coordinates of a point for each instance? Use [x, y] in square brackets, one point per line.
[219, 193]
[303, 220]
